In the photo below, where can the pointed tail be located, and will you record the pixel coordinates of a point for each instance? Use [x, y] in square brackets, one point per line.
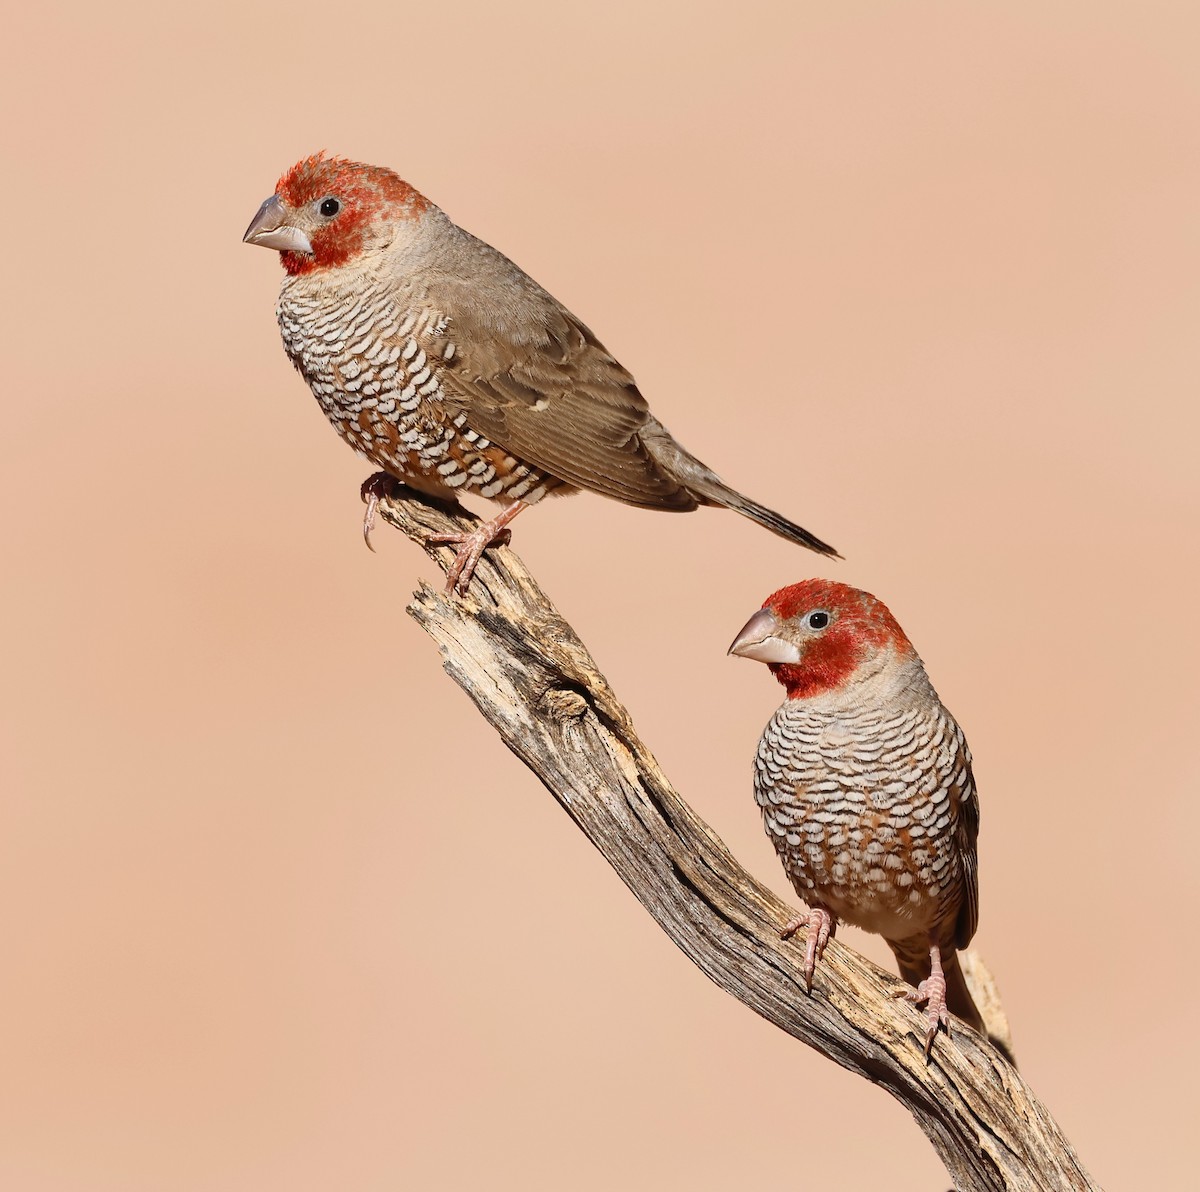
[709, 489]
[721, 494]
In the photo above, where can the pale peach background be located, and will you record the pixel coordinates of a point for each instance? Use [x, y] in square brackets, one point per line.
[277, 910]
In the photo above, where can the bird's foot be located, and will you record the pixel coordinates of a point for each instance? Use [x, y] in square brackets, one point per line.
[471, 546]
[376, 486]
[932, 994]
[821, 927]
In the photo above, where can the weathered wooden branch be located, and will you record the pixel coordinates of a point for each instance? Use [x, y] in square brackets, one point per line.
[536, 684]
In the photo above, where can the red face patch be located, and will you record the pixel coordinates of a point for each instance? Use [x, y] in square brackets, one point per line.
[858, 625]
[364, 193]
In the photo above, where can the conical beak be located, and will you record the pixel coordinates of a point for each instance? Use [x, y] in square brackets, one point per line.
[758, 640]
[268, 229]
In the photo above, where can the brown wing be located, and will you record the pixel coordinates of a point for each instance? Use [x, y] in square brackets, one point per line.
[966, 842]
[538, 383]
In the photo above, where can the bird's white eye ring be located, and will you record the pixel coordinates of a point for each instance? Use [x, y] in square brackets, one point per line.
[818, 619]
[330, 207]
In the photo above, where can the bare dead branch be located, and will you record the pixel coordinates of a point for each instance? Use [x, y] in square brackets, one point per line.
[536, 684]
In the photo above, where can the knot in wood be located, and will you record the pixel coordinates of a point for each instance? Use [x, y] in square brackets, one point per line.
[562, 704]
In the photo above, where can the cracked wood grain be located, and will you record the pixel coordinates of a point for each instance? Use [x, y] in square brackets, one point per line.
[536, 684]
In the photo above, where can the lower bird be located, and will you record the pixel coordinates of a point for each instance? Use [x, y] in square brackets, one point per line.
[446, 366]
[865, 785]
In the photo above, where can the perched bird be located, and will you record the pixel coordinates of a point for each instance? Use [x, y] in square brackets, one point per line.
[446, 366]
[865, 785]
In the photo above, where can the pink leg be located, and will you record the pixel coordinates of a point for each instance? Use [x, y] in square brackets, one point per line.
[376, 486]
[822, 925]
[931, 992]
[471, 546]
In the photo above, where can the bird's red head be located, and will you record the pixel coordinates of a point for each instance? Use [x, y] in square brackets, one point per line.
[815, 634]
[326, 211]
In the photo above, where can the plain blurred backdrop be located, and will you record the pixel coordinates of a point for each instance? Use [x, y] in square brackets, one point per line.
[277, 910]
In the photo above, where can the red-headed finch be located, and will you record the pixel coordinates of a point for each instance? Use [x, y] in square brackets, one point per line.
[446, 366]
[865, 785]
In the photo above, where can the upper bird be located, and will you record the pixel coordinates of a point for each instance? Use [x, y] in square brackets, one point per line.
[866, 790]
[445, 365]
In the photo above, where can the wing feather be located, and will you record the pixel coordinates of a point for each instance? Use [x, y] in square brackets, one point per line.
[966, 841]
[538, 383]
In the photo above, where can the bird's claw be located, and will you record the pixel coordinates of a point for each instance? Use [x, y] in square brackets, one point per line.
[932, 994]
[821, 927]
[376, 486]
[471, 546]
[470, 550]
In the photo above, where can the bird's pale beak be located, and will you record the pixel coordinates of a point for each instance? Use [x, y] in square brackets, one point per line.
[268, 229]
[757, 640]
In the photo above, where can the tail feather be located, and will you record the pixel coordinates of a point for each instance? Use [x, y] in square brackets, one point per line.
[722, 494]
[709, 489]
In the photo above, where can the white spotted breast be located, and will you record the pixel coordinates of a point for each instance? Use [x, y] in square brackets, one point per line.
[872, 810]
[373, 355]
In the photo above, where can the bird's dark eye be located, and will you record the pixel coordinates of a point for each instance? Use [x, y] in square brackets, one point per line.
[817, 620]
[330, 207]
